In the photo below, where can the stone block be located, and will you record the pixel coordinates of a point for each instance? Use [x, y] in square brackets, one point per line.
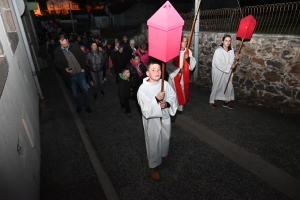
[297, 59]
[274, 63]
[257, 76]
[235, 78]
[271, 89]
[245, 73]
[242, 80]
[271, 76]
[286, 91]
[286, 55]
[249, 51]
[249, 84]
[259, 61]
[293, 82]
[260, 86]
[265, 82]
[268, 95]
[295, 69]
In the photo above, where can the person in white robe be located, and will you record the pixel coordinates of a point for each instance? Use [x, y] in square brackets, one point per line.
[179, 73]
[222, 64]
[156, 108]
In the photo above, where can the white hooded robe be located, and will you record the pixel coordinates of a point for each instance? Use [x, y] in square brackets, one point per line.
[156, 121]
[221, 68]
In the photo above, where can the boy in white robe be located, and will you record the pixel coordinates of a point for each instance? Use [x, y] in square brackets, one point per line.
[156, 107]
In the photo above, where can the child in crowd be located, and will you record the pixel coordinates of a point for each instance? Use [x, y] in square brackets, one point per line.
[124, 92]
[156, 107]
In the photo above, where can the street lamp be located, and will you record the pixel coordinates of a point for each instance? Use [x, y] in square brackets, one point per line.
[71, 17]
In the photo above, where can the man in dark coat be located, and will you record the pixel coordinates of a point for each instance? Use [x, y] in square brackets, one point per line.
[71, 61]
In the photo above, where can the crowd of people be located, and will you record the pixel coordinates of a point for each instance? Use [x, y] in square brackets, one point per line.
[85, 61]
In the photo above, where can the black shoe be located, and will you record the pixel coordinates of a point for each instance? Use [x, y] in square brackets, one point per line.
[102, 93]
[179, 112]
[228, 105]
[95, 96]
[88, 110]
[78, 110]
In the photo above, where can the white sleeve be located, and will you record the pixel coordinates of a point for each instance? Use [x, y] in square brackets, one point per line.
[149, 106]
[192, 61]
[171, 98]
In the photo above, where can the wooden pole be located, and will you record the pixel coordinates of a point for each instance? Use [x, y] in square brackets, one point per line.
[191, 35]
[234, 63]
[163, 76]
[193, 26]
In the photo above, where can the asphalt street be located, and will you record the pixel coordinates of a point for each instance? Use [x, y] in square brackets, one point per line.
[215, 153]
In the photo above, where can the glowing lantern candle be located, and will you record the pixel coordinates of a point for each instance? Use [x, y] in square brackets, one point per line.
[246, 27]
[165, 30]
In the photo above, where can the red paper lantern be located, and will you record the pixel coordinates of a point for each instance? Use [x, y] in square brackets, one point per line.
[246, 27]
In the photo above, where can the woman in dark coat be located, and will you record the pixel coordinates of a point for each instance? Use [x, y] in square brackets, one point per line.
[137, 74]
[120, 62]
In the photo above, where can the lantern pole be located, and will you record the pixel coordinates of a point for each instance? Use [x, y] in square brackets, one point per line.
[234, 63]
[163, 76]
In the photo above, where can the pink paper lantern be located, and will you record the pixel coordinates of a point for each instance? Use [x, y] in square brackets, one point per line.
[246, 28]
[165, 30]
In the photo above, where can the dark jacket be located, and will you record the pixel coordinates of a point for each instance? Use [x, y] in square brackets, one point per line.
[129, 51]
[105, 60]
[94, 64]
[124, 91]
[52, 47]
[120, 61]
[134, 76]
[61, 62]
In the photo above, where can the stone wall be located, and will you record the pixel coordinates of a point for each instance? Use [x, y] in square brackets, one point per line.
[268, 72]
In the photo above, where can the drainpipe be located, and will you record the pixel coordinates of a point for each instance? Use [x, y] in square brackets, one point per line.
[18, 16]
[32, 24]
[196, 44]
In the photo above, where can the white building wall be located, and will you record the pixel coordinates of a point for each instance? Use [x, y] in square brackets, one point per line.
[19, 106]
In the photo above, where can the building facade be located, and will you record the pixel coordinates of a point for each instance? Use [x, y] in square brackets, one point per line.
[19, 104]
